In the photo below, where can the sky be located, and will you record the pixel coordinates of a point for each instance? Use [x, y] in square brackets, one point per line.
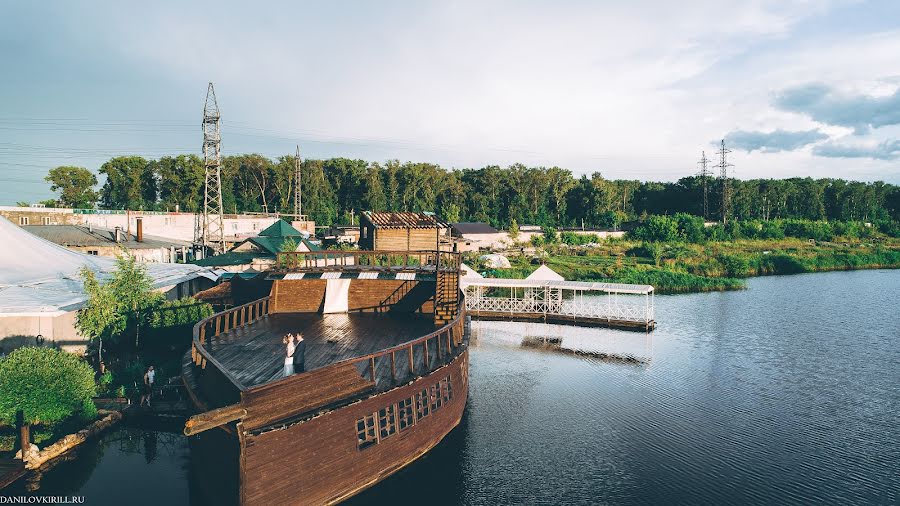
[632, 90]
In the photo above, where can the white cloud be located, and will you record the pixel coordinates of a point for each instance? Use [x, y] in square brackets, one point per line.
[634, 89]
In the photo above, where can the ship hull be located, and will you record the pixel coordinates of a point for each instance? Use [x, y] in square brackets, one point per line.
[321, 460]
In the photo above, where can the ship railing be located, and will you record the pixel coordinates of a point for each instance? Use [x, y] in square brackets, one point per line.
[423, 261]
[302, 395]
[315, 389]
[219, 323]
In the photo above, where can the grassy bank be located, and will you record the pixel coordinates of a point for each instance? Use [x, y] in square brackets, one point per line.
[677, 267]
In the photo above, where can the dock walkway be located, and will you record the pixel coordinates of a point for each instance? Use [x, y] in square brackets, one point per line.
[616, 305]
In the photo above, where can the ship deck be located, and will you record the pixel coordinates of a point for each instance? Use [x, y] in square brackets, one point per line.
[254, 354]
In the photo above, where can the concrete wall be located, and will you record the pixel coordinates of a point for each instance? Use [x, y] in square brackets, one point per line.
[500, 240]
[157, 255]
[178, 226]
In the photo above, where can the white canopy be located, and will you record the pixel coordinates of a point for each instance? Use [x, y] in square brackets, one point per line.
[38, 277]
[544, 273]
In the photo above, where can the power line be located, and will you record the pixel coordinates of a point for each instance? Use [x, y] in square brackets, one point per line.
[723, 176]
[213, 235]
[704, 176]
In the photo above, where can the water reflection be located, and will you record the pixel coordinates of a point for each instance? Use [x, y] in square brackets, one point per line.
[600, 343]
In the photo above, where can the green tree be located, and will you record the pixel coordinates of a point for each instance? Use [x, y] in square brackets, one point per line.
[373, 192]
[657, 229]
[690, 227]
[130, 184]
[48, 385]
[513, 229]
[75, 186]
[119, 307]
[181, 180]
[289, 245]
[99, 318]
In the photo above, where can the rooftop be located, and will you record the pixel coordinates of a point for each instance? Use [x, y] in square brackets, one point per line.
[403, 219]
[475, 227]
[83, 236]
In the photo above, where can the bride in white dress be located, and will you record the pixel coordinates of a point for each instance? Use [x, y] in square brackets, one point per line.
[289, 359]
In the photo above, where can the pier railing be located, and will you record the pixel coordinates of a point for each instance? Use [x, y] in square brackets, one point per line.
[367, 260]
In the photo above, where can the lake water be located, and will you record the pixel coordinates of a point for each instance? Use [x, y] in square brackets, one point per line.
[785, 393]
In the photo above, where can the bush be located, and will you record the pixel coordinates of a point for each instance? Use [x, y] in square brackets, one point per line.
[657, 229]
[751, 229]
[690, 227]
[771, 230]
[550, 235]
[48, 385]
[573, 239]
[807, 229]
[735, 266]
[717, 232]
[173, 313]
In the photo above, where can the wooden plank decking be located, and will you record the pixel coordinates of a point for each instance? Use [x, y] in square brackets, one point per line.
[10, 471]
[255, 354]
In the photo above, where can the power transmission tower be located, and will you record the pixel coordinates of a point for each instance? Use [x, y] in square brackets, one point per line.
[723, 175]
[213, 236]
[704, 178]
[298, 189]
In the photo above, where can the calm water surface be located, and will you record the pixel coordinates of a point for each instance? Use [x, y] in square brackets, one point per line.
[788, 392]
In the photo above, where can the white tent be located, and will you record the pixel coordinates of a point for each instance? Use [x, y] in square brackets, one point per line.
[40, 278]
[544, 273]
[495, 261]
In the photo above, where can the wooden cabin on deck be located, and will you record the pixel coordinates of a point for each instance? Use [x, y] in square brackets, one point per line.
[402, 231]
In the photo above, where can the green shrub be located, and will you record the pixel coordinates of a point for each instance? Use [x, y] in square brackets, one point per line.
[771, 230]
[736, 266]
[690, 227]
[47, 384]
[550, 235]
[808, 229]
[657, 229]
[573, 239]
[717, 232]
[172, 313]
[751, 229]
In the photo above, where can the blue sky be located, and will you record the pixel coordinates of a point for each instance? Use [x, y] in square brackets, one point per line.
[630, 89]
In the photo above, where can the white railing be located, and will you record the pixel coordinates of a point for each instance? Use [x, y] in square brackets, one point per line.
[560, 302]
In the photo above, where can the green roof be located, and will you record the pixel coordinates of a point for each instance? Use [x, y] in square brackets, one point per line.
[280, 228]
[273, 244]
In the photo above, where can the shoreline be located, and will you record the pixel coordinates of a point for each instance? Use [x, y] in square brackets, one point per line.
[675, 267]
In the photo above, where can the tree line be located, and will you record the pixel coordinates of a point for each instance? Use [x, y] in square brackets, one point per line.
[335, 189]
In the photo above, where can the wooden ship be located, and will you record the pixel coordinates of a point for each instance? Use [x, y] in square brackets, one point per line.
[385, 374]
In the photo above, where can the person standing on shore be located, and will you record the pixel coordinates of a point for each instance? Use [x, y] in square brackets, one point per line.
[300, 355]
[149, 379]
[289, 358]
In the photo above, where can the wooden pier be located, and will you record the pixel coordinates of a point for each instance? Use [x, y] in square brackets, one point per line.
[614, 305]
